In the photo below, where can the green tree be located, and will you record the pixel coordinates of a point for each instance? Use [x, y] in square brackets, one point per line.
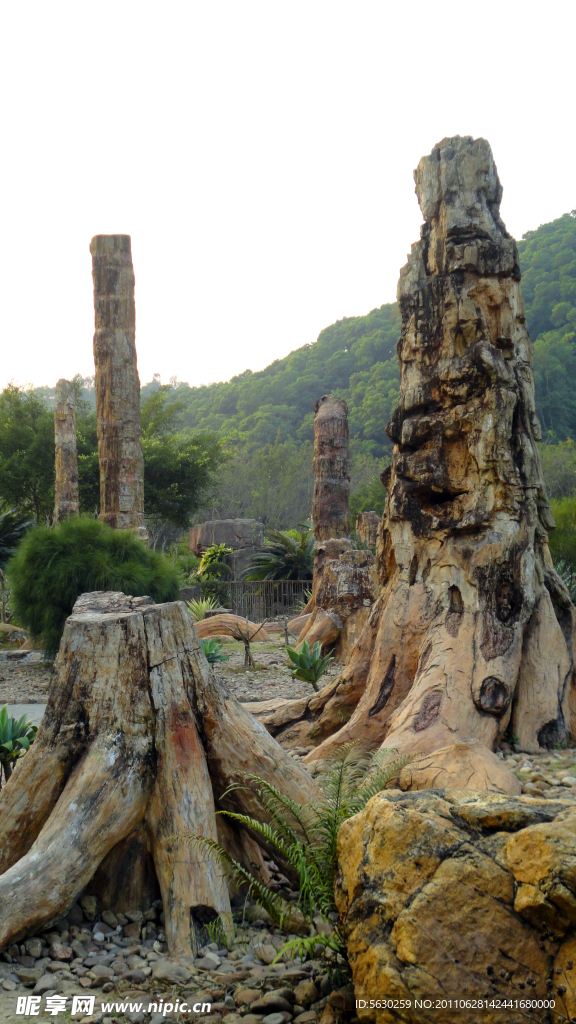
[26, 452]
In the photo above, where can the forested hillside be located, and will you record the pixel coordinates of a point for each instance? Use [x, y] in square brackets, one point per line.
[265, 418]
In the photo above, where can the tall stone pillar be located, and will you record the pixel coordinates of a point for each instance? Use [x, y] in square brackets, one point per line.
[330, 513]
[66, 485]
[117, 385]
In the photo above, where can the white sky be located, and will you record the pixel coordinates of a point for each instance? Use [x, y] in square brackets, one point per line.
[260, 154]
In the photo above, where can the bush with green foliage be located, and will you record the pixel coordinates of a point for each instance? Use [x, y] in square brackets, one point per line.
[286, 555]
[52, 567]
[16, 735]
[309, 665]
[213, 651]
[305, 839]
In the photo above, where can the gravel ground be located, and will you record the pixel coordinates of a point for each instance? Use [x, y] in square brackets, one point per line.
[28, 684]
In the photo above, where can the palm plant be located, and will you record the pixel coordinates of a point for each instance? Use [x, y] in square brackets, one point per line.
[16, 735]
[307, 664]
[305, 838]
[286, 555]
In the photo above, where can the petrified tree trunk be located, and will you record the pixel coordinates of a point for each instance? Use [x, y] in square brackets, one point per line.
[473, 629]
[330, 514]
[66, 483]
[137, 731]
[117, 385]
[367, 524]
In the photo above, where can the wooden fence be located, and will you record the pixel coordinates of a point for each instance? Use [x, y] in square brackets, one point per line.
[268, 599]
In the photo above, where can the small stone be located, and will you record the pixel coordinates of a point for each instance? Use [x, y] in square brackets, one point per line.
[273, 1018]
[245, 996]
[102, 971]
[266, 953]
[135, 915]
[271, 1003]
[306, 1018]
[166, 970]
[569, 780]
[85, 982]
[306, 993]
[75, 915]
[8, 985]
[28, 975]
[110, 919]
[137, 976]
[34, 948]
[47, 983]
[132, 930]
[88, 904]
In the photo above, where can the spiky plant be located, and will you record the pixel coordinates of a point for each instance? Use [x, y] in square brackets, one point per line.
[305, 838]
[16, 735]
[213, 651]
[199, 608]
[286, 555]
[309, 665]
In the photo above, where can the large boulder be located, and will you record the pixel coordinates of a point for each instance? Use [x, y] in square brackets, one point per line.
[244, 536]
[451, 895]
[464, 765]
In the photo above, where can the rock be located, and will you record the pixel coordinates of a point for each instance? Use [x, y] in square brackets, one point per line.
[88, 905]
[75, 915]
[266, 953]
[271, 1002]
[166, 970]
[34, 948]
[569, 780]
[47, 983]
[467, 764]
[8, 985]
[245, 996]
[28, 975]
[137, 976]
[442, 890]
[308, 1017]
[274, 1018]
[60, 952]
[132, 930]
[306, 993]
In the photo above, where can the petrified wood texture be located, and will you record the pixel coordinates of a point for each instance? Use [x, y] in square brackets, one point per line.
[117, 385]
[472, 631]
[330, 514]
[66, 458]
[476, 627]
[137, 731]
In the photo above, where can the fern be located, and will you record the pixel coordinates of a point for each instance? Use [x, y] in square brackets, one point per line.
[305, 839]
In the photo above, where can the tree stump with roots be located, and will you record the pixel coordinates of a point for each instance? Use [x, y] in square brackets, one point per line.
[473, 632]
[138, 737]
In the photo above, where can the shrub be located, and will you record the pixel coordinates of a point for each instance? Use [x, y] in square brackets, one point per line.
[52, 567]
[199, 608]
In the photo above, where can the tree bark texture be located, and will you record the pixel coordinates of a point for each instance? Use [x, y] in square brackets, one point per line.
[330, 515]
[138, 734]
[117, 385]
[66, 458]
[473, 630]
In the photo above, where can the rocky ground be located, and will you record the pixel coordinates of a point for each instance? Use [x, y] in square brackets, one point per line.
[122, 958]
[28, 683]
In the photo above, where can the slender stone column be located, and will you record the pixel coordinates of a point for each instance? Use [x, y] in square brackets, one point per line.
[66, 485]
[330, 513]
[117, 385]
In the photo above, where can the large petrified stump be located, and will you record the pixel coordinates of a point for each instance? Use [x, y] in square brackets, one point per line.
[117, 385]
[472, 633]
[137, 732]
[66, 458]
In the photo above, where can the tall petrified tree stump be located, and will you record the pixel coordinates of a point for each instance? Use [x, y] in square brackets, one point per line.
[137, 732]
[66, 458]
[473, 631]
[117, 385]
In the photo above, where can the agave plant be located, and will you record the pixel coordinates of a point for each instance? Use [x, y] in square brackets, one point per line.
[305, 838]
[16, 735]
[309, 664]
[198, 609]
[213, 651]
